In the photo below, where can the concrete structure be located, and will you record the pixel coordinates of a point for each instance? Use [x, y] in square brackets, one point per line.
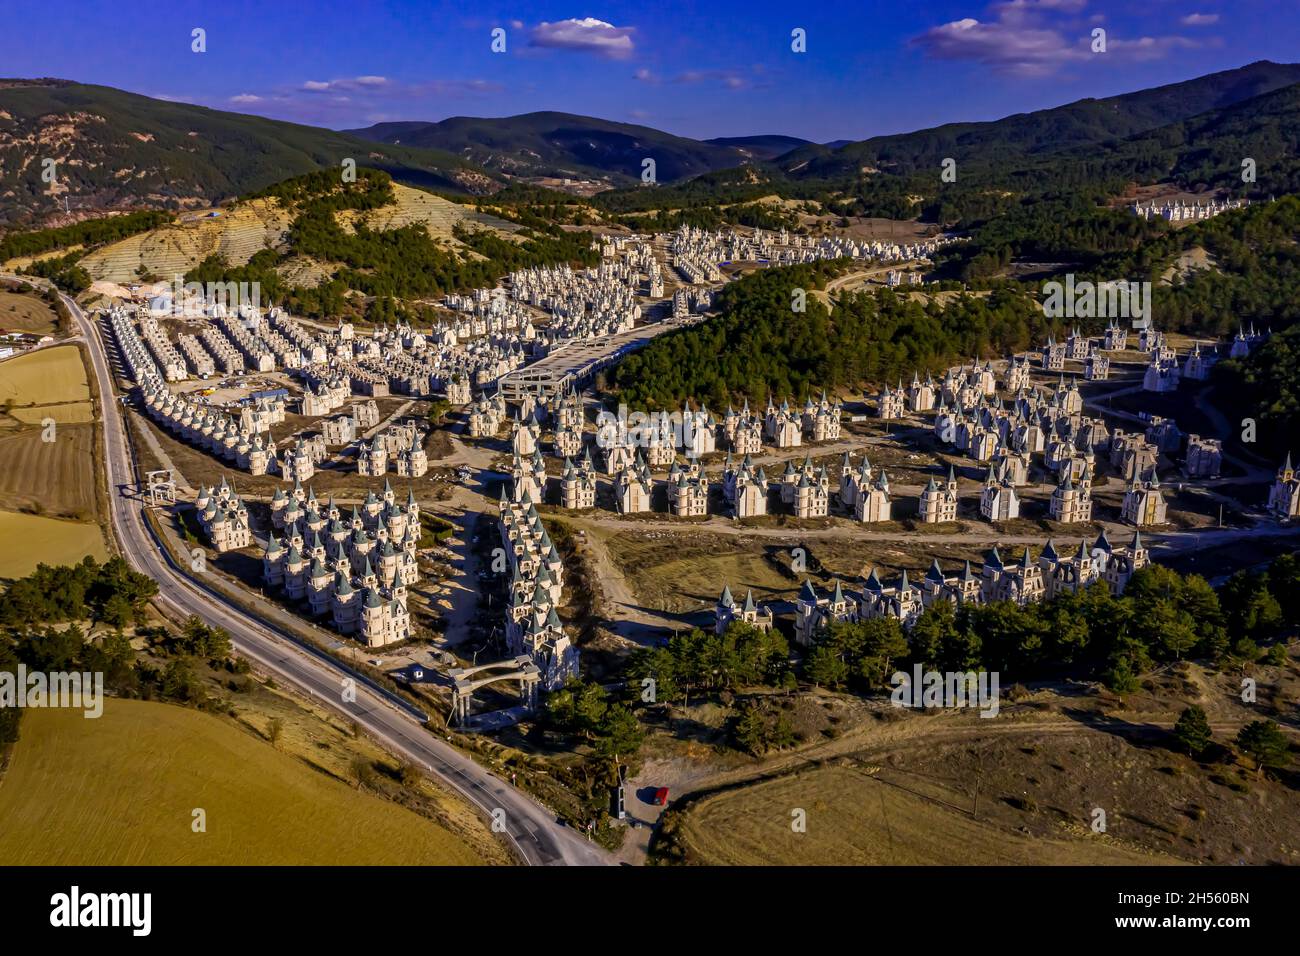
[1204, 457]
[728, 610]
[998, 500]
[1071, 501]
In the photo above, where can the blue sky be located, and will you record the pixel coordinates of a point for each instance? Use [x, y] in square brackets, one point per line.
[694, 68]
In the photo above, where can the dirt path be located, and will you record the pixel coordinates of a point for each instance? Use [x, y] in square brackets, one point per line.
[1171, 540]
[874, 740]
[627, 617]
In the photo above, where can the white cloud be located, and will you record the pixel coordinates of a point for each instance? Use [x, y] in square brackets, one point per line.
[1199, 19]
[346, 83]
[587, 35]
[1013, 47]
[1035, 38]
[246, 98]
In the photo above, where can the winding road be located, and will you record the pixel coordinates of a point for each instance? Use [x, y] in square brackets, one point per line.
[533, 831]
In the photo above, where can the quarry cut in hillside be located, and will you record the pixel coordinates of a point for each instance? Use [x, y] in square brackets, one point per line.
[239, 232]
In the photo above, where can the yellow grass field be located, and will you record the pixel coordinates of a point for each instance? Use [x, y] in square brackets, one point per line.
[71, 413]
[122, 789]
[25, 313]
[28, 540]
[47, 377]
[855, 819]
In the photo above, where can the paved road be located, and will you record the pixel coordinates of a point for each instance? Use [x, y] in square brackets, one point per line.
[531, 829]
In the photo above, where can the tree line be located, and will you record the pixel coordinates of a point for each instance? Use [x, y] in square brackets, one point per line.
[1162, 616]
[89, 232]
[110, 593]
[760, 344]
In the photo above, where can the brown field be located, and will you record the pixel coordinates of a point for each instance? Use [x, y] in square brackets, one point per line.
[684, 571]
[859, 818]
[176, 248]
[53, 478]
[25, 313]
[22, 262]
[884, 786]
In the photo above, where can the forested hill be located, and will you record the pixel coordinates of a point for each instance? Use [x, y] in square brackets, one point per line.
[1053, 156]
[759, 346]
[1064, 128]
[176, 154]
[567, 145]
[1052, 209]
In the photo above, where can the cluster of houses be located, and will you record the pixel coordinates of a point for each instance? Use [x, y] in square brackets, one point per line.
[582, 304]
[970, 417]
[1023, 581]
[1164, 371]
[240, 441]
[486, 415]
[532, 625]
[1004, 435]
[784, 427]
[1180, 210]
[631, 451]
[223, 516]
[241, 437]
[698, 252]
[475, 349]
[688, 302]
[352, 570]
[400, 444]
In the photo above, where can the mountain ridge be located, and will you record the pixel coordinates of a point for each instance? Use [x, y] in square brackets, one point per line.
[1086, 121]
[557, 144]
[113, 149]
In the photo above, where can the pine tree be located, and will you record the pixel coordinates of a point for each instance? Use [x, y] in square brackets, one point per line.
[1193, 730]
